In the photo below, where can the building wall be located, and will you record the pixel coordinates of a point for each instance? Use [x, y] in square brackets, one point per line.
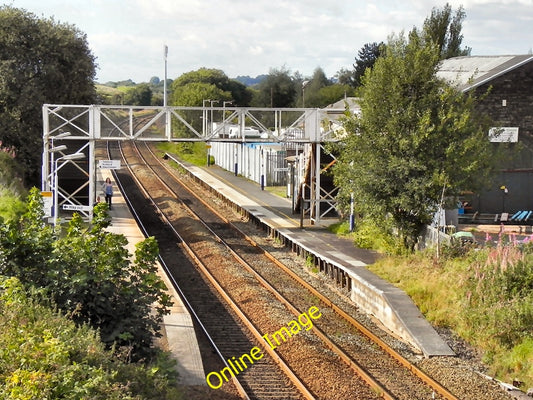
[516, 88]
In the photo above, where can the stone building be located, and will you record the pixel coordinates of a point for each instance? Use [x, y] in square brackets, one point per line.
[508, 80]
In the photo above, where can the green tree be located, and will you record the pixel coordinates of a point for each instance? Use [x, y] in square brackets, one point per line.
[313, 86]
[139, 95]
[367, 57]
[345, 76]
[41, 61]
[333, 93]
[443, 28]
[213, 78]
[278, 89]
[194, 93]
[415, 136]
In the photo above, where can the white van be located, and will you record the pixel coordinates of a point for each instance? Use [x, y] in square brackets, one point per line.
[248, 132]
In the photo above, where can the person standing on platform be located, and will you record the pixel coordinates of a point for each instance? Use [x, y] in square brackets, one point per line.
[108, 191]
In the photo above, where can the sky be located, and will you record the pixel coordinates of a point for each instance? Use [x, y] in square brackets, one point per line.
[242, 37]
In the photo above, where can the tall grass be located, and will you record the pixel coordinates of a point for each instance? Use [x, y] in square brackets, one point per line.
[369, 234]
[485, 296]
[192, 152]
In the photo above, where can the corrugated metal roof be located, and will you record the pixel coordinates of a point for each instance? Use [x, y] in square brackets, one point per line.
[352, 102]
[472, 71]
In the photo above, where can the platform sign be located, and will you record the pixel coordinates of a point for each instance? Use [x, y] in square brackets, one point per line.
[48, 203]
[504, 134]
[109, 164]
[75, 207]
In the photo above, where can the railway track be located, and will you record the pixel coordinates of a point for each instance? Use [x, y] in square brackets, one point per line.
[227, 333]
[388, 377]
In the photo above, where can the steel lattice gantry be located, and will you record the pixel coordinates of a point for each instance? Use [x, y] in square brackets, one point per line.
[70, 133]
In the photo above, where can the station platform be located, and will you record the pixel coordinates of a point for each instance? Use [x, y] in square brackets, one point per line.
[337, 257]
[178, 331]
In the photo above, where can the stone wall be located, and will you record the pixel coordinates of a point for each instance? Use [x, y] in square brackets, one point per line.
[516, 88]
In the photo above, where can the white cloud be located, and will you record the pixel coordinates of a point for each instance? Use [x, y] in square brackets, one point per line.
[242, 37]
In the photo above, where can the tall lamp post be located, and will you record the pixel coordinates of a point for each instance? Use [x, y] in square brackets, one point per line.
[53, 149]
[504, 190]
[165, 81]
[210, 131]
[68, 157]
[204, 118]
[304, 84]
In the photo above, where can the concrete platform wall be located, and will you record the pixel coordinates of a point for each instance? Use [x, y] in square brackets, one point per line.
[391, 306]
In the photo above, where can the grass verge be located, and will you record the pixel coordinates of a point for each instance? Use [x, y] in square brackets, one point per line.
[192, 152]
[485, 297]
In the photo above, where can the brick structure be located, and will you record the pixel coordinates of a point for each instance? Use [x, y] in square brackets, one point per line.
[510, 104]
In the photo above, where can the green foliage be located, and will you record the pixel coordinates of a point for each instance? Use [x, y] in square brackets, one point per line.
[194, 89]
[485, 296]
[27, 243]
[505, 283]
[193, 94]
[278, 89]
[88, 272]
[313, 87]
[11, 185]
[11, 206]
[333, 93]
[366, 59]
[44, 355]
[443, 28]
[377, 235]
[345, 76]
[41, 61]
[415, 135]
[194, 153]
[191, 88]
[140, 95]
[11, 173]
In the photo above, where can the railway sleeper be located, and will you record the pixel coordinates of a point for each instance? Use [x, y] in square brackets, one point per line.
[341, 279]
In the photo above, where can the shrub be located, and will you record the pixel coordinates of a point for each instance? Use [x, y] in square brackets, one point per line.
[44, 355]
[89, 273]
[369, 234]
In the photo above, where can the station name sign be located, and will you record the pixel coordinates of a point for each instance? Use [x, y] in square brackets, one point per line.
[109, 164]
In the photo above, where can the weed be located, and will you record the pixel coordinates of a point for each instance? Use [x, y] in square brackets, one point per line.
[485, 296]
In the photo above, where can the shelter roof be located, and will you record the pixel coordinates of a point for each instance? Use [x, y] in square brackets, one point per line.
[470, 72]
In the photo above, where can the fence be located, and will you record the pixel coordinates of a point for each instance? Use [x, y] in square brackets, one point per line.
[253, 161]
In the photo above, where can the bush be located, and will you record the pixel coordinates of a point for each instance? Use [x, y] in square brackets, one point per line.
[44, 355]
[369, 234]
[503, 283]
[89, 274]
[11, 187]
